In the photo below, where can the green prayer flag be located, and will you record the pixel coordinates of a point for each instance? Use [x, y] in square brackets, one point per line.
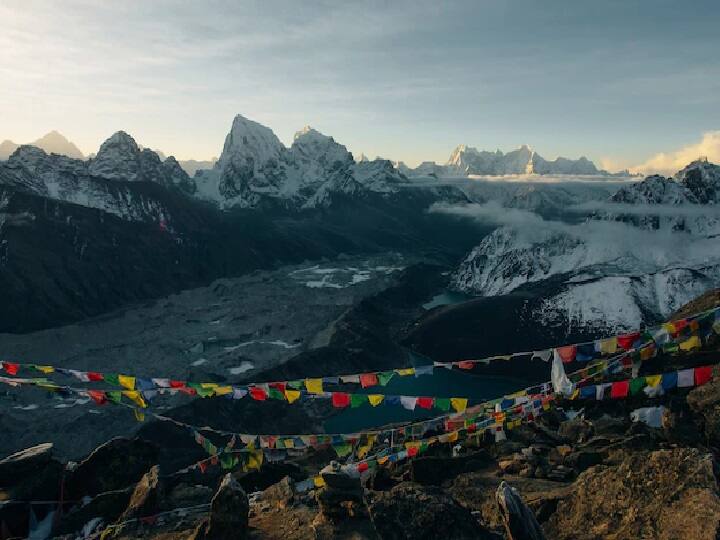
[356, 400]
[111, 378]
[114, 395]
[384, 377]
[342, 450]
[442, 403]
[636, 385]
[274, 393]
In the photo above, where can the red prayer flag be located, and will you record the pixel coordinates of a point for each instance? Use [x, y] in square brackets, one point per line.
[567, 354]
[362, 466]
[619, 389]
[11, 368]
[177, 384]
[368, 379]
[626, 341]
[702, 375]
[187, 390]
[425, 402]
[280, 386]
[94, 376]
[340, 399]
[98, 396]
[465, 364]
[257, 393]
[413, 451]
[203, 466]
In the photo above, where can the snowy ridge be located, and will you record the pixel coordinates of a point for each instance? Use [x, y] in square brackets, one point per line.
[654, 251]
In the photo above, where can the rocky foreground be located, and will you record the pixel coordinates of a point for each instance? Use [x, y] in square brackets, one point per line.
[583, 470]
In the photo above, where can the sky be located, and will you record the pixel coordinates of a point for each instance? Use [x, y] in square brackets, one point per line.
[626, 83]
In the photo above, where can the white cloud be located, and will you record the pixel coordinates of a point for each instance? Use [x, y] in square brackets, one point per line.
[671, 162]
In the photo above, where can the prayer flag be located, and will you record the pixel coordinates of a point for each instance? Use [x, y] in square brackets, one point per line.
[442, 403]
[368, 379]
[384, 377]
[607, 346]
[135, 397]
[703, 374]
[465, 364]
[567, 354]
[626, 341]
[636, 385]
[653, 380]
[459, 404]
[11, 368]
[348, 379]
[340, 399]
[257, 393]
[292, 395]
[375, 399]
[424, 370]
[405, 372]
[314, 386]
[45, 369]
[685, 378]
[691, 344]
[408, 402]
[356, 400]
[619, 389]
[425, 402]
[127, 381]
[669, 380]
[98, 396]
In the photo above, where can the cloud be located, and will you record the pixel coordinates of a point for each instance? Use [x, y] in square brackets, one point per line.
[660, 210]
[671, 162]
[627, 248]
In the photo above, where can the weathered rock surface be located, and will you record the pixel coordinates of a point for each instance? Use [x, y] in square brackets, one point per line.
[228, 513]
[412, 511]
[147, 497]
[666, 494]
[117, 464]
[705, 401]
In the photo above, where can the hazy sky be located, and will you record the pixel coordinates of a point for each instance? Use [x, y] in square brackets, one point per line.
[614, 80]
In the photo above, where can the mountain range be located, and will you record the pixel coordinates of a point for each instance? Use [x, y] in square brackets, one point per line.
[464, 160]
[648, 249]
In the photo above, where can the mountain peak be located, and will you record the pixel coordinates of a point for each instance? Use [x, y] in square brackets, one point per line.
[249, 142]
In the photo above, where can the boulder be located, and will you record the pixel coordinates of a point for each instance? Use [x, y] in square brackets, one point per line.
[576, 430]
[147, 497]
[418, 512]
[280, 495]
[108, 506]
[229, 511]
[18, 466]
[665, 494]
[114, 465]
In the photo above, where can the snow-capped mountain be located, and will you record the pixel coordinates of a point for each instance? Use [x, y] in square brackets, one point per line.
[255, 169]
[52, 143]
[651, 250]
[468, 161]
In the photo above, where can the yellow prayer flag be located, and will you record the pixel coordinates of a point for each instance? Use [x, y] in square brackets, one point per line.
[208, 385]
[375, 399]
[575, 394]
[412, 444]
[452, 437]
[292, 395]
[459, 404]
[318, 481]
[669, 328]
[139, 415]
[223, 390]
[255, 460]
[314, 386]
[691, 344]
[405, 372]
[45, 369]
[609, 345]
[289, 443]
[127, 381]
[135, 397]
[646, 353]
[382, 460]
[653, 380]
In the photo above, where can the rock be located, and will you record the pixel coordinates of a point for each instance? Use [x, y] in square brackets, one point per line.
[576, 430]
[31, 474]
[705, 401]
[583, 459]
[342, 497]
[109, 506]
[228, 513]
[20, 465]
[436, 470]
[476, 492]
[147, 497]
[665, 494]
[519, 520]
[280, 495]
[417, 512]
[114, 465]
[610, 425]
[183, 495]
